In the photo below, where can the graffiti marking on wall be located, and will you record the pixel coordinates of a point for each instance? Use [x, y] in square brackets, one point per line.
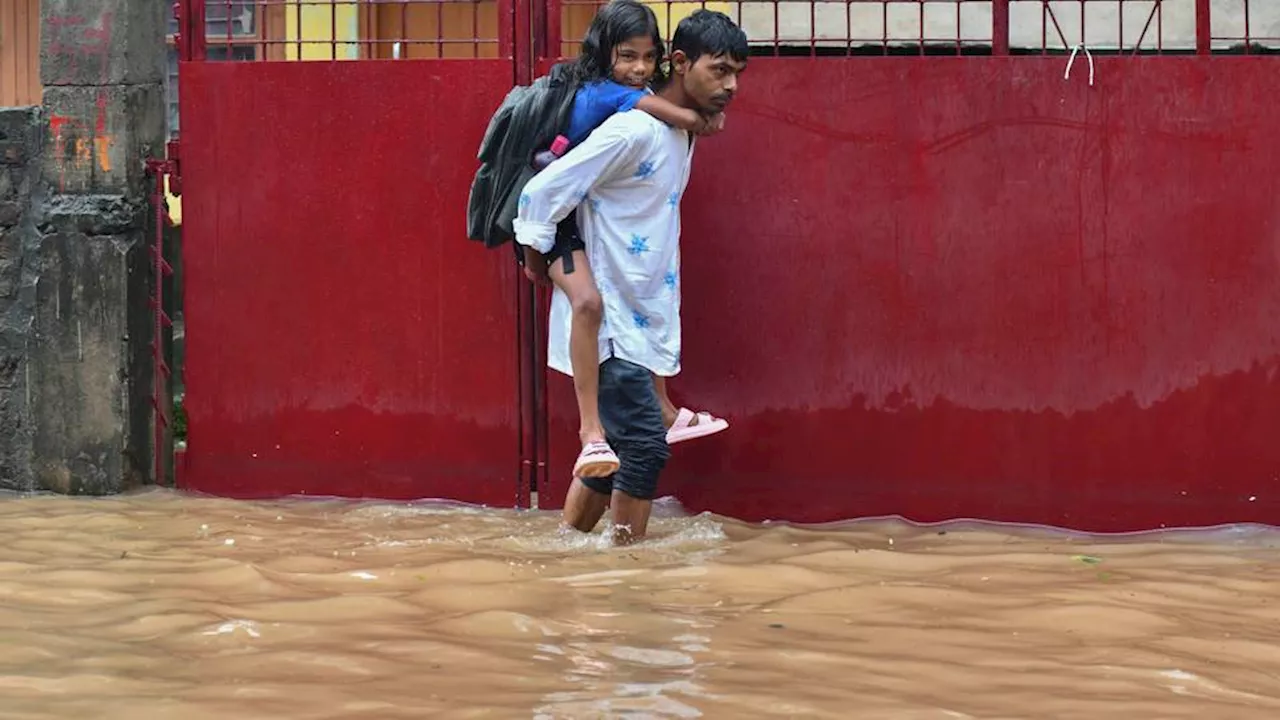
[79, 42]
[79, 145]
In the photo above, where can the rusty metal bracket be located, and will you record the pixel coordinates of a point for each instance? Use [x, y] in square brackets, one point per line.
[160, 401]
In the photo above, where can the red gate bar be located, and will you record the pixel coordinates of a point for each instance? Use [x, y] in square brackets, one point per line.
[1204, 33]
[1000, 27]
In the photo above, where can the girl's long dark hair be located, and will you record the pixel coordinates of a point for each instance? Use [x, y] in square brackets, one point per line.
[615, 23]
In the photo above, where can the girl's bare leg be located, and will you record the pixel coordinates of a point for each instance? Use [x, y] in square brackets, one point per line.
[584, 341]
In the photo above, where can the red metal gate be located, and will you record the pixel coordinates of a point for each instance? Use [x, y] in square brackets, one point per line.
[928, 271]
[344, 339]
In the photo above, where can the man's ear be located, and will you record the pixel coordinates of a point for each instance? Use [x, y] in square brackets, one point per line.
[679, 62]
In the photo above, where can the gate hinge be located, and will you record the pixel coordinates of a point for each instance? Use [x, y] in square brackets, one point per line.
[168, 176]
[170, 166]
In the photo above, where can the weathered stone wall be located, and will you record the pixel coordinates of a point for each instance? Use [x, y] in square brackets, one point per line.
[20, 139]
[75, 325]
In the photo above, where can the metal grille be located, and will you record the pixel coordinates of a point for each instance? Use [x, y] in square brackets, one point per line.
[952, 27]
[247, 30]
[825, 27]
[1143, 26]
[1245, 26]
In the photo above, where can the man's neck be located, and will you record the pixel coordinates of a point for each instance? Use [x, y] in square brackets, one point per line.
[673, 92]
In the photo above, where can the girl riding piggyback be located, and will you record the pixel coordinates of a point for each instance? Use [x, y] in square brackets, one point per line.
[619, 60]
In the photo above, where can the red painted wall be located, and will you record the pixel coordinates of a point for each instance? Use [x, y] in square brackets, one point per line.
[964, 287]
[344, 337]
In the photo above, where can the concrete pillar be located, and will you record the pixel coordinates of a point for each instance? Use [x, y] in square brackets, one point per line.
[20, 142]
[79, 322]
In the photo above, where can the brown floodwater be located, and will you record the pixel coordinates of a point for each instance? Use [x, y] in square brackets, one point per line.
[163, 605]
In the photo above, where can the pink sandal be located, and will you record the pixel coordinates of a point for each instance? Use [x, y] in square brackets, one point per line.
[596, 460]
[689, 426]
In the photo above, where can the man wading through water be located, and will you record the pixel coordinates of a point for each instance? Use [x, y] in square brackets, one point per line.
[629, 176]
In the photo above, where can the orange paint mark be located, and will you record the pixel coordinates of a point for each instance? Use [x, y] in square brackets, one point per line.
[103, 145]
[84, 152]
[101, 140]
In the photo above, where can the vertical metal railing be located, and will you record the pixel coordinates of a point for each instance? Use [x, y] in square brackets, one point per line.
[823, 28]
[162, 323]
[329, 30]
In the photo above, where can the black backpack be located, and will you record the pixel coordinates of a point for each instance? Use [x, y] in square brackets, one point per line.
[527, 121]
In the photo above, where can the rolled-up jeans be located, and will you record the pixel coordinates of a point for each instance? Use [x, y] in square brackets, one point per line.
[632, 419]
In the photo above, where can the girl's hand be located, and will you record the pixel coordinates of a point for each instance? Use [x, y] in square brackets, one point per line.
[535, 267]
[712, 125]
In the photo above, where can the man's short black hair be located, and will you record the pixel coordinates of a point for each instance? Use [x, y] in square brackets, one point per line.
[707, 32]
